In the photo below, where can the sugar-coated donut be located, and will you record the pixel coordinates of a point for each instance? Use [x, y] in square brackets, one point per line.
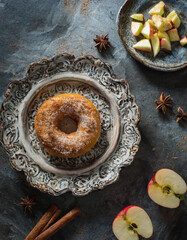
[59, 143]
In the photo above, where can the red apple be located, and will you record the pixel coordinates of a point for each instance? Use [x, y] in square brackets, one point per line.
[183, 41]
[158, 9]
[166, 187]
[136, 28]
[165, 45]
[137, 16]
[131, 222]
[143, 45]
[173, 35]
[155, 44]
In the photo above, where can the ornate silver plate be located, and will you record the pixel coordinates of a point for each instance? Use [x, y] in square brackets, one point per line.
[119, 113]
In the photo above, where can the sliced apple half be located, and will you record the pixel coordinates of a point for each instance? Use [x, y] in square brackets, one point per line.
[183, 41]
[165, 45]
[143, 45]
[136, 28]
[137, 16]
[159, 9]
[147, 30]
[163, 35]
[155, 41]
[131, 222]
[166, 187]
[173, 35]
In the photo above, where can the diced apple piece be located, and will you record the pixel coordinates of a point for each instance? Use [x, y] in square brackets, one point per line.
[131, 222]
[137, 16]
[143, 45]
[173, 35]
[163, 35]
[158, 9]
[147, 30]
[176, 21]
[136, 28]
[165, 188]
[155, 44]
[183, 41]
[171, 15]
[162, 24]
[151, 22]
[165, 45]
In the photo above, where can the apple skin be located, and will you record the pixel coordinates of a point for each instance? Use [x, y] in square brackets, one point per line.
[183, 41]
[162, 179]
[165, 45]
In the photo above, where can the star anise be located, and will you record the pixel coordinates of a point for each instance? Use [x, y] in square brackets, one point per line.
[163, 103]
[181, 115]
[28, 203]
[102, 42]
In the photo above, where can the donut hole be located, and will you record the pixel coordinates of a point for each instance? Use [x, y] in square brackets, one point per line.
[68, 124]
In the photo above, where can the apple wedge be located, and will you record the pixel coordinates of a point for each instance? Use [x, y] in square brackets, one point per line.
[147, 30]
[173, 35]
[136, 28]
[183, 41]
[143, 45]
[162, 24]
[131, 222]
[138, 17]
[166, 187]
[158, 9]
[163, 35]
[165, 45]
[155, 41]
[174, 18]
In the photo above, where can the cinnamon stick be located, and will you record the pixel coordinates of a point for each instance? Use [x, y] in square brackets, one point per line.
[52, 220]
[59, 224]
[42, 223]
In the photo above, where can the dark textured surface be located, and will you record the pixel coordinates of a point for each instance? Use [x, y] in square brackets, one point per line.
[31, 30]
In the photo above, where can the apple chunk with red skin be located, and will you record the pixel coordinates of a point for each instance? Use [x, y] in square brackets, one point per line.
[166, 187]
[173, 35]
[165, 45]
[183, 41]
[136, 28]
[131, 222]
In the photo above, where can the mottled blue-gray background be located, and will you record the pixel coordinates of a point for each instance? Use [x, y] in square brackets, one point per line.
[33, 29]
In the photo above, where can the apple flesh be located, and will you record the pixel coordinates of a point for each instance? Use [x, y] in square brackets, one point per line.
[143, 45]
[147, 30]
[165, 45]
[158, 9]
[155, 41]
[137, 16]
[173, 35]
[136, 28]
[131, 222]
[162, 24]
[163, 35]
[183, 41]
[165, 188]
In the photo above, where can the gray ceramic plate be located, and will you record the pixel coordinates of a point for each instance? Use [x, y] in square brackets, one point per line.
[119, 113]
[163, 61]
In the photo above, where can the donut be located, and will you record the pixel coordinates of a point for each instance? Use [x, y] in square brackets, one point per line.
[54, 116]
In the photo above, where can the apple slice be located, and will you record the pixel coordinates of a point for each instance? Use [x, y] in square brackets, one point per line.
[171, 15]
[131, 222]
[183, 41]
[165, 188]
[147, 30]
[136, 28]
[165, 45]
[162, 24]
[137, 16]
[155, 44]
[158, 9]
[163, 35]
[143, 45]
[173, 35]
[176, 21]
